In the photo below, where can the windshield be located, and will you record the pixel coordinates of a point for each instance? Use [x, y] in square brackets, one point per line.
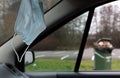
[8, 13]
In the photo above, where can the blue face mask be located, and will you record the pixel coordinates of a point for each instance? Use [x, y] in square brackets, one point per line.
[30, 22]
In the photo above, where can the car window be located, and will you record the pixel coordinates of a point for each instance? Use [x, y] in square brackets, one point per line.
[102, 50]
[58, 52]
[8, 13]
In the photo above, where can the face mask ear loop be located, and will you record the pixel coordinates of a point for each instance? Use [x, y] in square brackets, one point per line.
[23, 54]
[12, 43]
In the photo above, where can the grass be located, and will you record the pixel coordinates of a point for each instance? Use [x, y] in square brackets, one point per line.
[51, 64]
[87, 65]
[116, 65]
[65, 65]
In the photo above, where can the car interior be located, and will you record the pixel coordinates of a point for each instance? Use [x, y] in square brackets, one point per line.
[57, 16]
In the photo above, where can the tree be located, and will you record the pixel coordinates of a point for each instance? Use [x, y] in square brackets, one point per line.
[70, 35]
[106, 23]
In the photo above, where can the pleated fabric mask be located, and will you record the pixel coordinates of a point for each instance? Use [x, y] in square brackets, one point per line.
[30, 21]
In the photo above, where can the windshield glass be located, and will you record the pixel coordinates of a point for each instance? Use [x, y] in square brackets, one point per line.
[8, 13]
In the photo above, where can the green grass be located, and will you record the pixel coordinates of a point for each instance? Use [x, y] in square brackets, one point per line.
[87, 65]
[116, 65]
[65, 65]
[52, 64]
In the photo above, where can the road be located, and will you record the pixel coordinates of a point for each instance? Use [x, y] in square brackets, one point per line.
[88, 54]
[57, 54]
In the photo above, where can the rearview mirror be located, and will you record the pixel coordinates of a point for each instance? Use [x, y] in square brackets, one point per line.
[29, 58]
